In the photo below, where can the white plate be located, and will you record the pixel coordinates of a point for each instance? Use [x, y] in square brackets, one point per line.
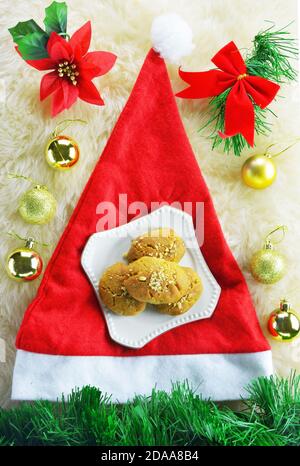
[107, 247]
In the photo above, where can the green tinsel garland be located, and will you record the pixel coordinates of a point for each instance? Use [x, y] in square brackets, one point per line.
[271, 417]
[270, 59]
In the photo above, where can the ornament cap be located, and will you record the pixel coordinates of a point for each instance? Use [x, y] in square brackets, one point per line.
[29, 243]
[285, 305]
[268, 245]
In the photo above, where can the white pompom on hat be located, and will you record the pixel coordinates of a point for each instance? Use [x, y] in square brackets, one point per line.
[171, 37]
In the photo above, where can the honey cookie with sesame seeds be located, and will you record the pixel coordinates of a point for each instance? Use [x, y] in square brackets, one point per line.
[156, 281]
[188, 299]
[114, 294]
[162, 243]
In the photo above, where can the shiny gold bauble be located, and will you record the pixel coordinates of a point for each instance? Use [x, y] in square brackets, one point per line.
[284, 323]
[62, 152]
[24, 264]
[37, 205]
[268, 266]
[259, 171]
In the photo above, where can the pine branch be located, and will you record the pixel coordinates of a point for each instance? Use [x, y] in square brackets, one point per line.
[236, 143]
[271, 58]
[272, 55]
[271, 417]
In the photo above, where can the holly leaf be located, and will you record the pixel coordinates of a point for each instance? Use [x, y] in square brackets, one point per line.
[33, 46]
[56, 18]
[23, 28]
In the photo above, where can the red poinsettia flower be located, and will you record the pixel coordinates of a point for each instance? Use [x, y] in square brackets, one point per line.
[73, 70]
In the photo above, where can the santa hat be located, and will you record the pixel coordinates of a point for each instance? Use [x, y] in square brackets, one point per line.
[64, 341]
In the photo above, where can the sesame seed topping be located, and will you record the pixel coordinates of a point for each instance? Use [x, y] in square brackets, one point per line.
[157, 280]
[160, 281]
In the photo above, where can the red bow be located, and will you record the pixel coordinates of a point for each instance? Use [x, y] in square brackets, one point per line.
[246, 90]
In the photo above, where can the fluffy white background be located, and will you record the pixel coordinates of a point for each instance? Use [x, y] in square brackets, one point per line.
[123, 27]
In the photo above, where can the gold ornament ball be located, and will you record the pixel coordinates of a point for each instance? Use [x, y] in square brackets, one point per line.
[62, 152]
[259, 172]
[268, 266]
[37, 205]
[24, 264]
[284, 323]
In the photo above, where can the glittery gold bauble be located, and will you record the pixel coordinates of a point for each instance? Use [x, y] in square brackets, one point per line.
[62, 152]
[37, 205]
[284, 323]
[267, 265]
[259, 171]
[24, 264]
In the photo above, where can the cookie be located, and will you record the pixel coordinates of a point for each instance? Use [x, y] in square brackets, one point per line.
[156, 281]
[114, 294]
[188, 299]
[162, 243]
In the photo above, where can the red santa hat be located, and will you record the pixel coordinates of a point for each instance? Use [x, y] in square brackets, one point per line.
[64, 341]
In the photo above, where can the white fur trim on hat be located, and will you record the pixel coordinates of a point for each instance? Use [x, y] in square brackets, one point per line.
[215, 376]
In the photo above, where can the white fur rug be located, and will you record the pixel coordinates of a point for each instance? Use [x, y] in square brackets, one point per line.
[123, 27]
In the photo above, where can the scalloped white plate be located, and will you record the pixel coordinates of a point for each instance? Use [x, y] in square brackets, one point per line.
[107, 247]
